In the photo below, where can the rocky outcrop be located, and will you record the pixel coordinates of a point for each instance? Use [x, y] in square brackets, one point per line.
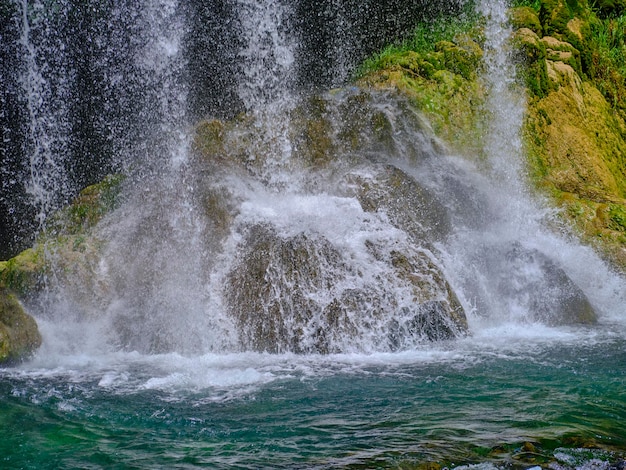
[66, 251]
[576, 126]
[19, 335]
[568, 56]
[528, 286]
[299, 290]
[302, 294]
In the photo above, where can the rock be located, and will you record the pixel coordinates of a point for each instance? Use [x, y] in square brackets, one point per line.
[532, 54]
[19, 335]
[561, 51]
[462, 57]
[409, 206]
[301, 294]
[532, 286]
[525, 17]
[66, 246]
[23, 273]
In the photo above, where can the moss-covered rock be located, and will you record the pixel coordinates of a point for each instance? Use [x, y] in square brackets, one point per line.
[451, 103]
[19, 335]
[577, 147]
[462, 57]
[23, 273]
[532, 54]
[575, 131]
[525, 18]
[88, 208]
[560, 51]
[556, 14]
[301, 294]
[66, 248]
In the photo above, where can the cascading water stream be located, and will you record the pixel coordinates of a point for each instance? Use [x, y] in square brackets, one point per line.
[268, 53]
[48, 183]
[316, 224]
[507, 263]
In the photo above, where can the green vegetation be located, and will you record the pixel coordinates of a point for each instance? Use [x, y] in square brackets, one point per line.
[438, 68]
[572, 59]
[19, 335]
[534, 4]
[608, 55]
[68, 232]
[424, 39]
[575, 131]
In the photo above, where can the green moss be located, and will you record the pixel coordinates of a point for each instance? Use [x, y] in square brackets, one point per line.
[531, 56]
[422, 43]
[534, 4]
[617, 217]
[525, 17]
[88, 208]
[19, 335]
[23, 273]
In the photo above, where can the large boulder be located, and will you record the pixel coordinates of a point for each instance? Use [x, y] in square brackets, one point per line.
[299, 293]
[19, 335]
[529, 286]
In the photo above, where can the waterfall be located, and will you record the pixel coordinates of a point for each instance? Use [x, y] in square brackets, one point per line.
[46, 94]
[511, 263]
[312, 222]
[268, 52]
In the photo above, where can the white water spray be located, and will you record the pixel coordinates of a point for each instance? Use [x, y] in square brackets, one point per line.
[46, 99]
[268, 53]
[161, 65]
[268, 243]
[505, 262]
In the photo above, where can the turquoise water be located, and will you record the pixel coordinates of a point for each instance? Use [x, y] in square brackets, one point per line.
[474, 401]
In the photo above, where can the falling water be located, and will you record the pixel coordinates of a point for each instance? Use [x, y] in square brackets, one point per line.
[46, 94]
[206, 253]
[268, 52]
[504, 255]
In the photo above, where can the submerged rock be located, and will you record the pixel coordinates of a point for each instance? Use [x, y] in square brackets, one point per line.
[19, 335]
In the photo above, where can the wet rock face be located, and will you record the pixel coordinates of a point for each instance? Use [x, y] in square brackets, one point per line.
[301, 294]
[409, 206]
[305, 289]
[19, 335]
[532, 287]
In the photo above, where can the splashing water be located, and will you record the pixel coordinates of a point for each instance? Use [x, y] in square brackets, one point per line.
[268, 53]
[504, 263]
[206, 252]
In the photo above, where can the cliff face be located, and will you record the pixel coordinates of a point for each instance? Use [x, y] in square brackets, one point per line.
[571, 61]
[576, 129]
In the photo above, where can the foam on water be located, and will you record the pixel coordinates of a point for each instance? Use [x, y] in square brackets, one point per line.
[226, 376]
